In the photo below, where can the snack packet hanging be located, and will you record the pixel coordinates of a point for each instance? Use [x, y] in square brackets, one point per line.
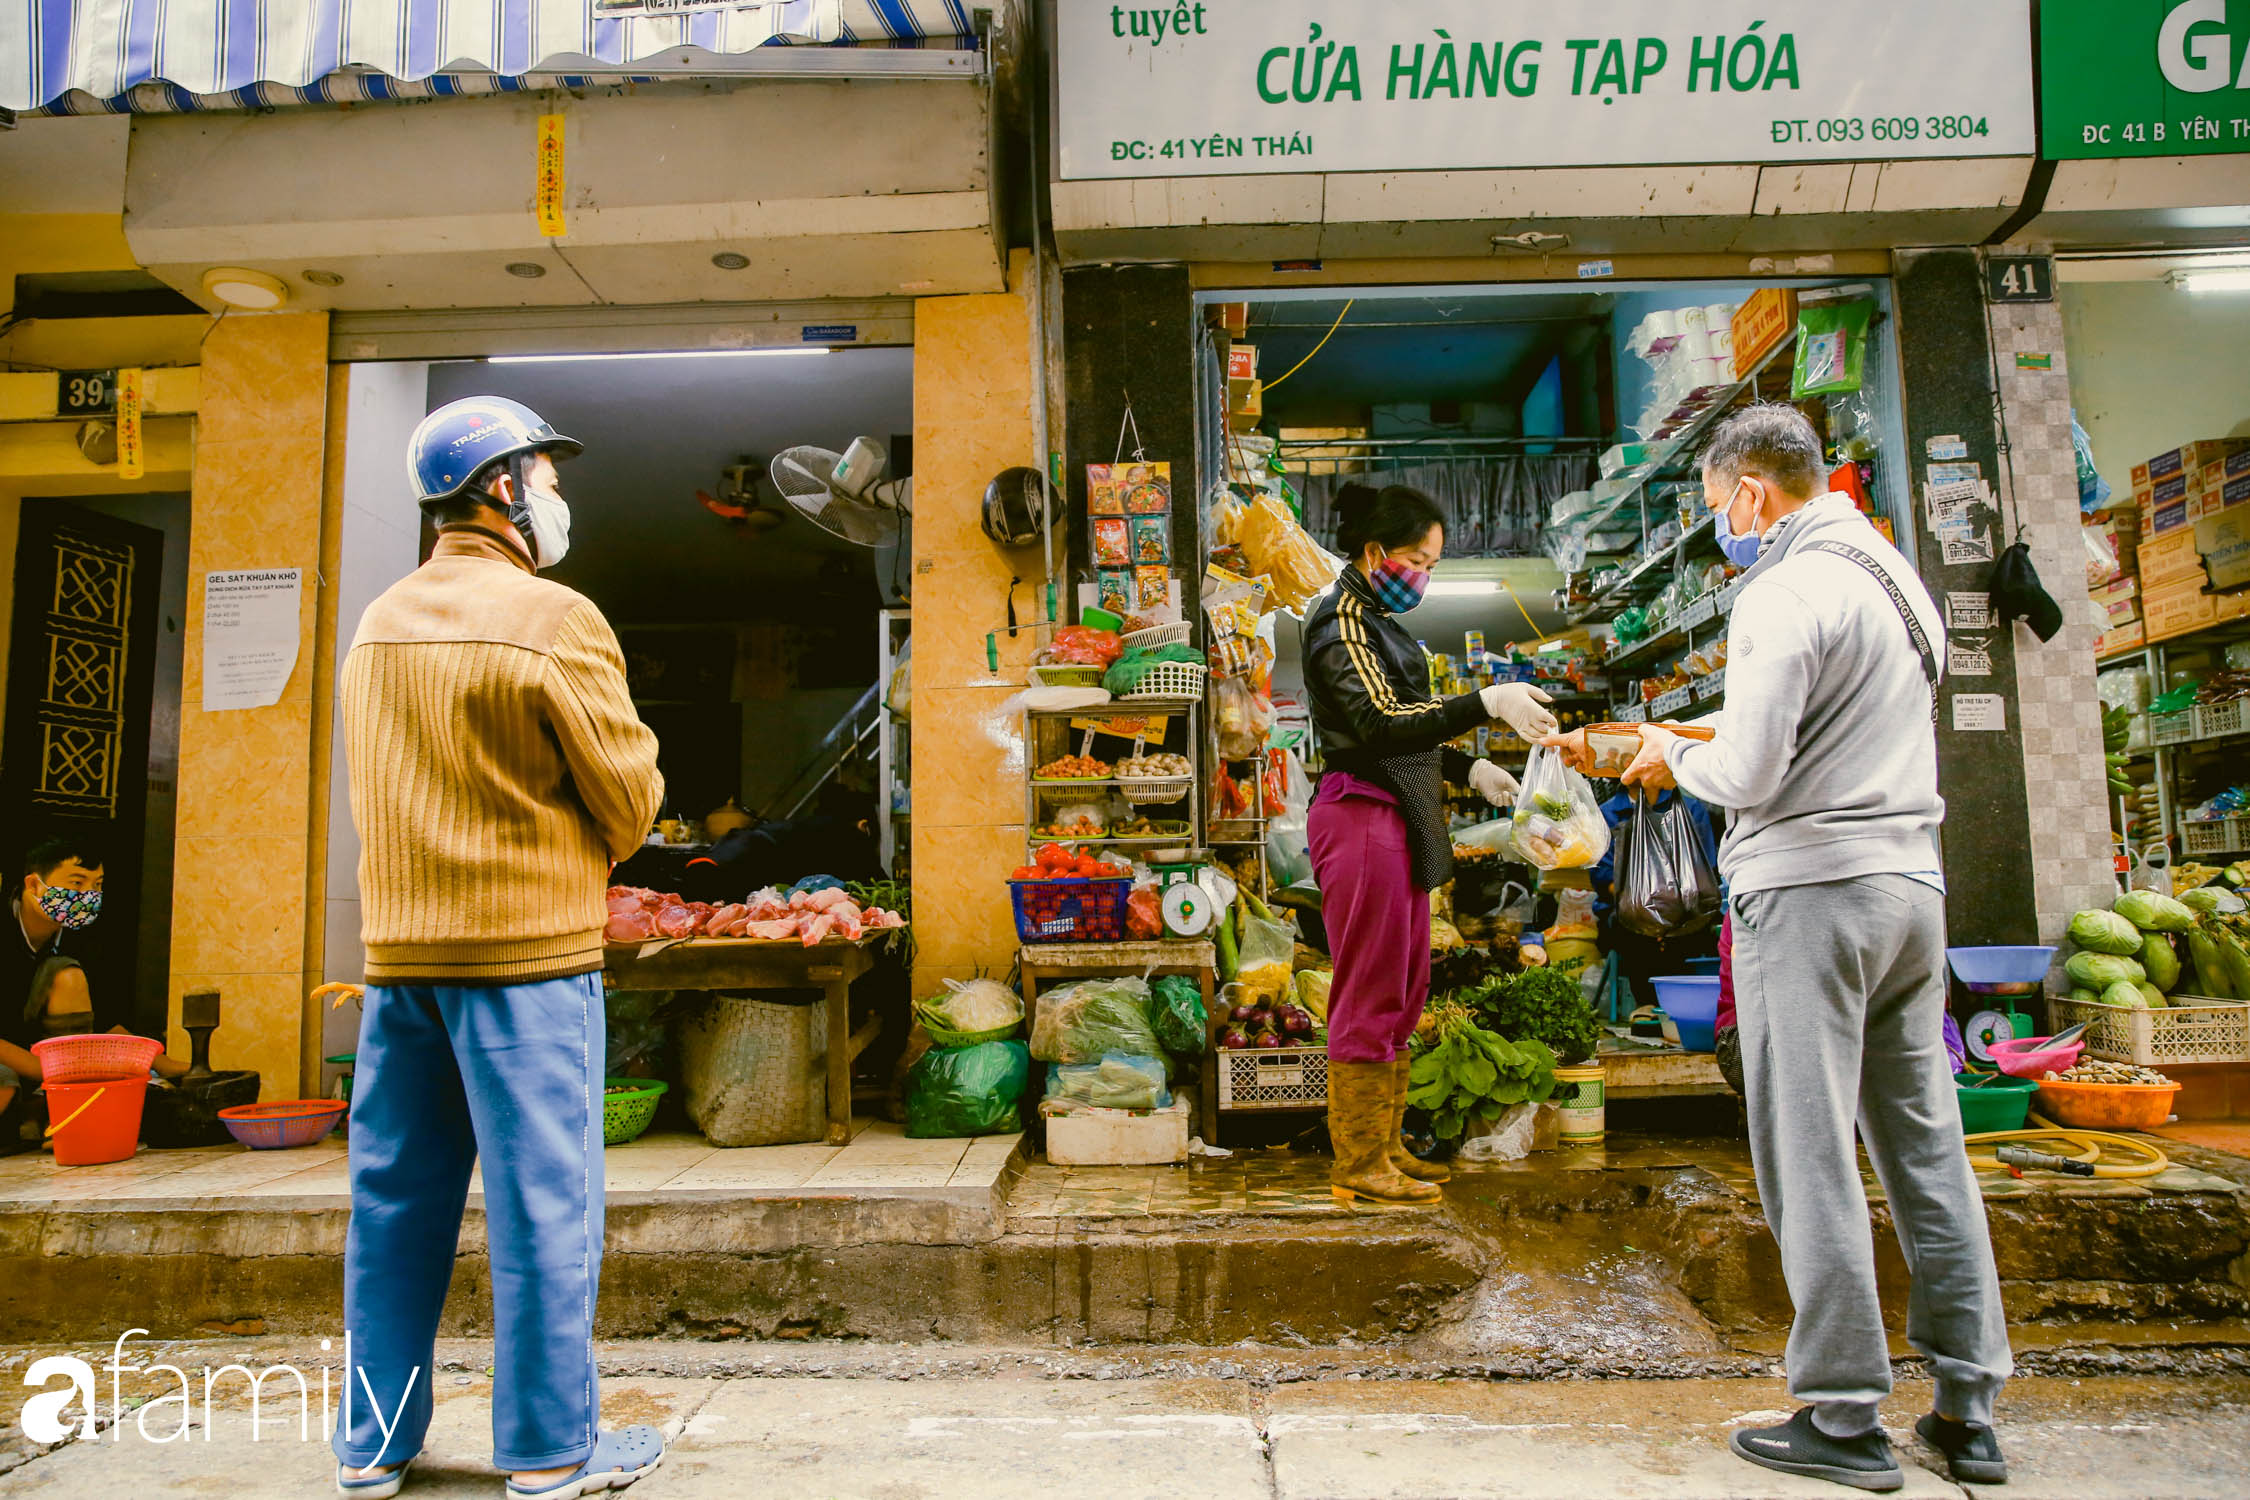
[1558, 824]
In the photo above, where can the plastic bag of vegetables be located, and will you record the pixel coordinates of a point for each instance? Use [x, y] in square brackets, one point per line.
[1176, 1010]
[982, 1010]
[1558, 825]
[1116, 1082]
[1087, 1021]
[961, 1091]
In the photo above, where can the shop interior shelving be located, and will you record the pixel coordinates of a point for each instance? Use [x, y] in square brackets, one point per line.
[1645, 576]
[1671, 462]
[893, 741]
[2178, 746]
[1050, 734]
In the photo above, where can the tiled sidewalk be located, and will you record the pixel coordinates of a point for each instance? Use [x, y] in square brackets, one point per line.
[659, 1168]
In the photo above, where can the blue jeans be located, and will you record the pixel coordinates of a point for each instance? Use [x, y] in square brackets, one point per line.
[445, 1074]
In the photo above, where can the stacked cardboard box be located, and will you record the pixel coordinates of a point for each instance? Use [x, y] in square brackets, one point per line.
[2113, 577]
[2193, 508]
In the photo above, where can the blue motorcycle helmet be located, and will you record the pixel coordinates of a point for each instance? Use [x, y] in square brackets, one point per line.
[463, 438]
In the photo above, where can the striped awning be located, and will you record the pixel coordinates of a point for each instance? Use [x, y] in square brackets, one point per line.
[264, 52]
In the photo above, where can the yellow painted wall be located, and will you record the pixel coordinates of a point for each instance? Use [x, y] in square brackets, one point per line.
[46, 243]
[972, 418]
[248, 833]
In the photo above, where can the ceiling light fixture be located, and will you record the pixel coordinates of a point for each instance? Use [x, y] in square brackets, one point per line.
[2218, 279]
[1448, 587]
[323, 278]
[568, 359]
[251, 291]
[529, 270]
[728, 260]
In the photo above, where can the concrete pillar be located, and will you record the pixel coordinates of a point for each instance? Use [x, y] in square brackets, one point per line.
[972, 419]
[2066, 784]
[2026, 828]
[247, 829]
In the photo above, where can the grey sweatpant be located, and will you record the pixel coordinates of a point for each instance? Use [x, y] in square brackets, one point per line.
[1840, 993]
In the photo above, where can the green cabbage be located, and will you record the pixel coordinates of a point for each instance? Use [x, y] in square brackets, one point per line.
[2154, 996]
[2152, 912]
[2098, 971]
[2105, 932]
[2125, 995]
[2162, 964]
[2084, 996]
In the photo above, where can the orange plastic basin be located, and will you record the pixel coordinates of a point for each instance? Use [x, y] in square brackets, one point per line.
[2106, 1106]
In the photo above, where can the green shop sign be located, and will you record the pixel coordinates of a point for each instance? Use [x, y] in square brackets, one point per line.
[2144, 77]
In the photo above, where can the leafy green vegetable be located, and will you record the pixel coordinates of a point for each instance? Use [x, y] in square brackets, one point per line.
[1467, 1075]
[2154, 912]
[1538, 1005]
[2098, 971]
[2105, 932]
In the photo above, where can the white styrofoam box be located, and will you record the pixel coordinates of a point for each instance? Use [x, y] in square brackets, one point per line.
[1119, 1138]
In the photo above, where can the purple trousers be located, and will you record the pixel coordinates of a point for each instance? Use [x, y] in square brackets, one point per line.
[1378, 925]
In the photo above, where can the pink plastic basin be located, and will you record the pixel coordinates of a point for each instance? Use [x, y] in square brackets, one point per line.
[2035, 1056]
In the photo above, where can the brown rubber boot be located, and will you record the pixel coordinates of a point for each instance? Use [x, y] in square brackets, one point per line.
[1401, 1158]
[1361, 1125]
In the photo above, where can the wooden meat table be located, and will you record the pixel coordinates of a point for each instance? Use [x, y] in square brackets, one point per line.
[749, 964]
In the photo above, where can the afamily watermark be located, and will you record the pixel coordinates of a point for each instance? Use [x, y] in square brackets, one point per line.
[43, 1414]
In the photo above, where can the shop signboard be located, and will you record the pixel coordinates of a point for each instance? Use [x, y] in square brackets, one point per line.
[1229, 87]
[2144, 77]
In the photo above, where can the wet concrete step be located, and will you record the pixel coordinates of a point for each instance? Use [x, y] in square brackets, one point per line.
[1649, 1257]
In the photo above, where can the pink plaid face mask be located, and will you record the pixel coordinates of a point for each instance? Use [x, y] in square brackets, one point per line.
[1399, 586]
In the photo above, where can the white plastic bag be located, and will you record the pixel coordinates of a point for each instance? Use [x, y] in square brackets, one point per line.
[1558, 824]
[1288, 840]
[1510, 1138]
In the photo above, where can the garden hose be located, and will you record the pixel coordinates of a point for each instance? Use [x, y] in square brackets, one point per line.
[1999, 1146]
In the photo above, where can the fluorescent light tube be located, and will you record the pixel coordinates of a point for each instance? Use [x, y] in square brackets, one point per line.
[2228, 279]
[565, 359]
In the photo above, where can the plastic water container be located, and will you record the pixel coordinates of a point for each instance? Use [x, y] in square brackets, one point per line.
[1692, 1001]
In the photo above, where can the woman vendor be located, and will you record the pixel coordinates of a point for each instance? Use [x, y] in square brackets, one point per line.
[1377, 827]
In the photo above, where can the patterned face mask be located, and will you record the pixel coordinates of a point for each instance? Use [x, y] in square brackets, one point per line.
[1399, 586]
[68, 908]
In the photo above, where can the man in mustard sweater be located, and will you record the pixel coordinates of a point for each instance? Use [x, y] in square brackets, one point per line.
[497, 771]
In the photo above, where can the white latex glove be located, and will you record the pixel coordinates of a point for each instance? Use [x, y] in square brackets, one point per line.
[1522, 707]
[1493, 784]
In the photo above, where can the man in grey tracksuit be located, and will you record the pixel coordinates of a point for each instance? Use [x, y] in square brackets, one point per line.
[1825, 756]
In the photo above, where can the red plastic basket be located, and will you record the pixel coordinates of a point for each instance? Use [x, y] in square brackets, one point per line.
[283, 1123]
[1070, 911]
[93, 1058]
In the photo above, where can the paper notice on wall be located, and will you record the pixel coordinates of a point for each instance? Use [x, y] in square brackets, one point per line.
[1968, 611]
[1979, 711]
[249, 636]
[1958, 551]
[1969, 656]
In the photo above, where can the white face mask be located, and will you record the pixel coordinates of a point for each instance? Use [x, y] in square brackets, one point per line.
[550, 524]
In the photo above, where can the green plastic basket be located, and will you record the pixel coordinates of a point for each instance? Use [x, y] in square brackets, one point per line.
[626, 1115]
[2001, 1104]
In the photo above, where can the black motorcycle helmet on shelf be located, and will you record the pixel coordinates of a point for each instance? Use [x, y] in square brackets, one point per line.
[1019, 506]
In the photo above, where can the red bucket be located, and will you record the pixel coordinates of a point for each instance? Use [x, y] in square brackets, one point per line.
[96, 1122]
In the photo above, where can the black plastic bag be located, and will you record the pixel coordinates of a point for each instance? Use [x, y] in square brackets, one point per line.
[1668, 887]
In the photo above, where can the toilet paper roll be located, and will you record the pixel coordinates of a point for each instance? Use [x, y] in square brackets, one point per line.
[1659, 325]
[1694, 343]
[1721, 343]
[1694, 319]
[1713, 371]
[1719, 315]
